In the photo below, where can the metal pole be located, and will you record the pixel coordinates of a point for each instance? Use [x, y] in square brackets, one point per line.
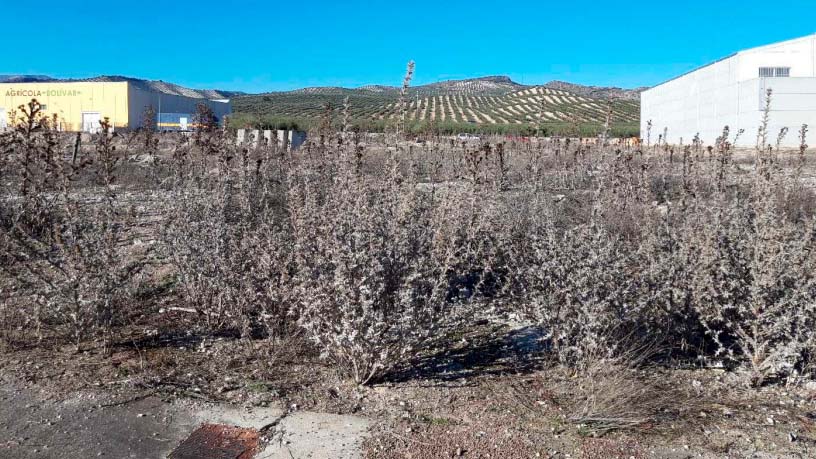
[158, 120]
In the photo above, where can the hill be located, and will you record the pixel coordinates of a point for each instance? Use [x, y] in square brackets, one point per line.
[491, 85]
[168, 88]
[152, 85]
[24, 78]
[480, 101]
[600, 92]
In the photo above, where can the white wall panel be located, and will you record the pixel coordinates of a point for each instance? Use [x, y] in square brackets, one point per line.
[729, 93]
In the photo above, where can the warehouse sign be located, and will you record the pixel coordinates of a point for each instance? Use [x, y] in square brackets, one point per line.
[42, 92]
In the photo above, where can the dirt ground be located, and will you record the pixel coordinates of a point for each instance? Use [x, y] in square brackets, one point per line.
[489, 396]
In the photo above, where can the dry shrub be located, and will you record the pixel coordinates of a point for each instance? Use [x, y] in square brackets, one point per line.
[618, 393]
[753, 278]
[575, 288]
[371, 278]
[715, 274]
[66, 251]
[226, 235]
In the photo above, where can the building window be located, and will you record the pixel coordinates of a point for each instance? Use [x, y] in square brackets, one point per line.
[774, 72]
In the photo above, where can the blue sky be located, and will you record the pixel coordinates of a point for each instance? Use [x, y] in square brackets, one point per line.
[261, 46]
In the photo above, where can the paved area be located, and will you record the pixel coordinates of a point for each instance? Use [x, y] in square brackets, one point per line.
[87, 425]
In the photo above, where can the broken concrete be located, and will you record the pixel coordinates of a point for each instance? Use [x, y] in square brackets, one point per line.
[34, 425]
[317, 435]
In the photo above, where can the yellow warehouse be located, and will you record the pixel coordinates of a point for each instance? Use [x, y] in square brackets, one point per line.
[80, 106]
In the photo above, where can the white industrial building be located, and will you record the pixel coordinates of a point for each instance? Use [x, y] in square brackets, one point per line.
[731, 92]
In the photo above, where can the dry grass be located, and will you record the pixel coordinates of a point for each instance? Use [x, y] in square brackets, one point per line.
[608, 394]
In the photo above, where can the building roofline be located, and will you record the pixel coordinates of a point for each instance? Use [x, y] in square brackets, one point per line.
[783, 42]
[694, 70]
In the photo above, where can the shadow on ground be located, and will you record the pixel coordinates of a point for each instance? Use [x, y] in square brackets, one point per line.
[518, 351]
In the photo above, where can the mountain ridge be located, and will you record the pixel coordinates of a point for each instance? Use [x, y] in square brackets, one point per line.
[154, 85]
[486, 85]
[598, 92]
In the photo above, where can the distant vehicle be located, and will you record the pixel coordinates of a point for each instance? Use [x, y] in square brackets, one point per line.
[467, 137]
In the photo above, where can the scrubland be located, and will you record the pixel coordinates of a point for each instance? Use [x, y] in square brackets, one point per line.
[481, 298]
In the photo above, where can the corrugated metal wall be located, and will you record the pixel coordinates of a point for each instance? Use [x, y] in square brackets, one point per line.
[169, 106]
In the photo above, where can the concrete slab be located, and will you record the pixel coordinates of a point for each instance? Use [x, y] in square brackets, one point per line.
[34, 425]
[317, 435]
[254, 417]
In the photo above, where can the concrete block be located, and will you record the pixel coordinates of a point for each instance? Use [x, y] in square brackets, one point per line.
[296, 139]
[283, 139]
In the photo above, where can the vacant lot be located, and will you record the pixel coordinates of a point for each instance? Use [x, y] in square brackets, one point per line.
[550, 298]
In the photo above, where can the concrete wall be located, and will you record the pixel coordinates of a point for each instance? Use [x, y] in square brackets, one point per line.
[139, 100]
[287, 140]
[730, 93]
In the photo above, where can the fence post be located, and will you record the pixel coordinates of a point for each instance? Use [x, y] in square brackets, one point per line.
[77, 146]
